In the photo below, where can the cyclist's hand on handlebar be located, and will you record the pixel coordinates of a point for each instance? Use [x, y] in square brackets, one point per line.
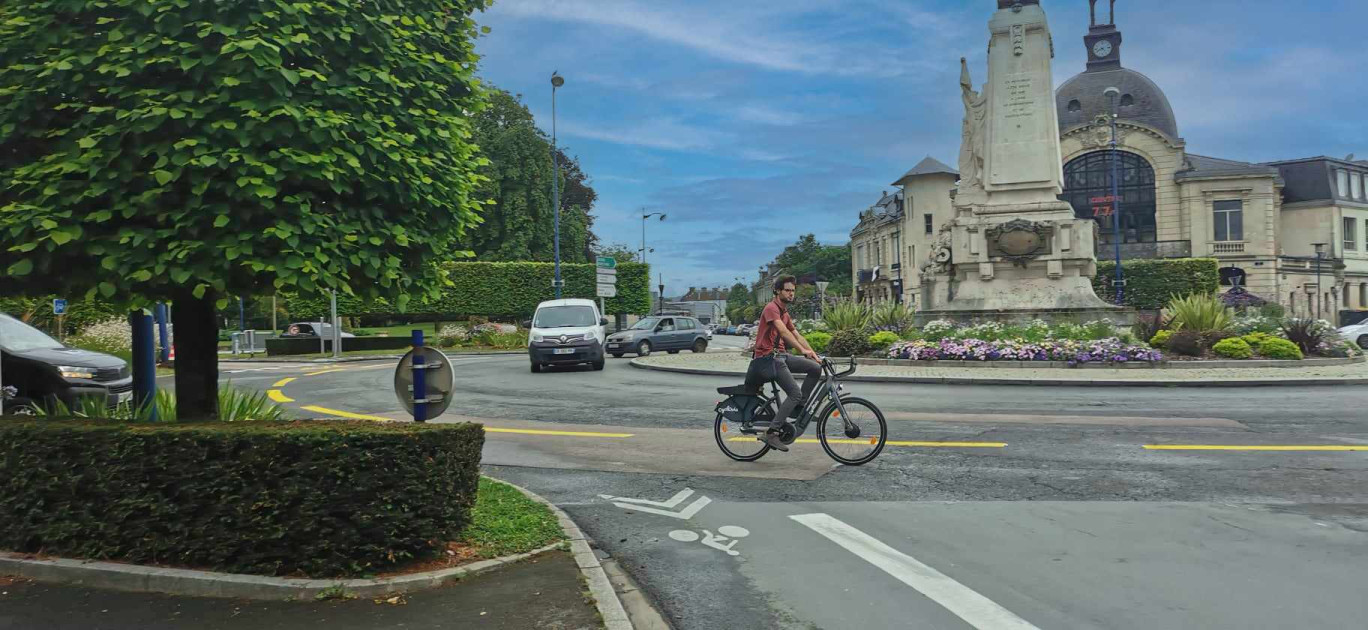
[812, 355]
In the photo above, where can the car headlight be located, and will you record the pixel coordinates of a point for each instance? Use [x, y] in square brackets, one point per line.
[591, 335]
[76, 371]
[536, 338]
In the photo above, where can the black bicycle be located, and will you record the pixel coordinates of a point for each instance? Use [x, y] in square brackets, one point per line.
[856, 439]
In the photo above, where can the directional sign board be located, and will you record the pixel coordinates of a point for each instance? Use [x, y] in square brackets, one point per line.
[607, 290]
[607, 279]
[59, 306]
[607, 262]
[441, 380]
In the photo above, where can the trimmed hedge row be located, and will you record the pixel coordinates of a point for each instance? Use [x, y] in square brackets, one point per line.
[317, 498]
[310, 345]
[496, 289]
[1150, 283]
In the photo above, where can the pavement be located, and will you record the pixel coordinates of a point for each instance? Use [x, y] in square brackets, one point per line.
[735, 364]
[542, 592]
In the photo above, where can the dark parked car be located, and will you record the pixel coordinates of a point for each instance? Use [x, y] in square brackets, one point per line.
[670, 334]
[43, 370]
[731, 330]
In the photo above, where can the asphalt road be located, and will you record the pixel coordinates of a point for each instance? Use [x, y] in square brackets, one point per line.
[1072, 524]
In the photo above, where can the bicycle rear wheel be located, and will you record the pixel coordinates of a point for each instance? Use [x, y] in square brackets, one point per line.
[857, 438]
[736, 442]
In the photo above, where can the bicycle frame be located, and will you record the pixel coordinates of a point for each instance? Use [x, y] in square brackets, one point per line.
[828, 389]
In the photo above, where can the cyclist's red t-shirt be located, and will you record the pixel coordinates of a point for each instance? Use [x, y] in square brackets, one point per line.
[767, 337]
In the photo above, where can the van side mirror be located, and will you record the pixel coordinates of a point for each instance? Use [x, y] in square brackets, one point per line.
[603, 321]
[527, 323]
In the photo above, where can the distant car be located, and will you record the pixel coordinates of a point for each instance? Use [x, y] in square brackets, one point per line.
[745, 329]
[1357, 333]
[43, 370]
[310, 329]
[670, 334]
[731, 330]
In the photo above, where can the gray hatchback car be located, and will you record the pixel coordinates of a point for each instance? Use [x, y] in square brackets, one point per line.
[669, 333]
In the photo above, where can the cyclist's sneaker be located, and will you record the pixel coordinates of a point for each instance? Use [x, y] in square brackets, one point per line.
[772, 440]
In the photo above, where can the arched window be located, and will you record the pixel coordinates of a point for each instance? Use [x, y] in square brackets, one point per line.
[1089, 176]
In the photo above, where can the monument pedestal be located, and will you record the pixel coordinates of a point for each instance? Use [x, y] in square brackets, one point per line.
[1014, 252]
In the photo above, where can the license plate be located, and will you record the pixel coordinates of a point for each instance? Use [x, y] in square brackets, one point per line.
[565, 351]
[125, 397]
[612, 345]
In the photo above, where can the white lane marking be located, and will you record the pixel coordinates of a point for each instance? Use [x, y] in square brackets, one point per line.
[684, 514]
[674, 501]
[977, 610]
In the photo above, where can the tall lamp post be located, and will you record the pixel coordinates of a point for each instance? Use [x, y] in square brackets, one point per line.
[645, 216]
[1320, 251]
[1112, 96]
[556, 81]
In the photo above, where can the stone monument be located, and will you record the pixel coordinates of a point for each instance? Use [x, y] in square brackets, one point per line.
[1013, 251]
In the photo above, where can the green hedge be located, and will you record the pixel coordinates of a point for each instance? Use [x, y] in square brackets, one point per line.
[1150, 283]
[310, 345]
[317, 498]
[496, 289]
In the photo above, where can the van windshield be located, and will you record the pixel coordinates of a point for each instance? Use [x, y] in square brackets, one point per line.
[564, 317]
[16, 336]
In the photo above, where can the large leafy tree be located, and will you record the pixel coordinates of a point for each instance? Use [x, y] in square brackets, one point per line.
[807, 256]
[190, 151]
[519, 225]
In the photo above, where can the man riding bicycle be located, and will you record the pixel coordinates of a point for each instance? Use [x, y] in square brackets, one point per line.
[772, 362]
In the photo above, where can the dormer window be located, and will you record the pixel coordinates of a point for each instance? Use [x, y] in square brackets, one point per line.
[1127, 100]
[1075, 106]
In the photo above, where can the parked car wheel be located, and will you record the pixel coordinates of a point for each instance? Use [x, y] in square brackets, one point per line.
[644, 348]
[536, 367]
[21, 407]
[700, 346]
[598, 365]
[617, 355]
[673, 351]
[1363, 341]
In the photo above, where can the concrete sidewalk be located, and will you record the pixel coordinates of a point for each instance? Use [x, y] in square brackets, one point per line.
[541, 592]
[734, 364]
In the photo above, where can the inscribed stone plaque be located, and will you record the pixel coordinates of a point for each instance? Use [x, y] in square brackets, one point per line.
[1022, 149]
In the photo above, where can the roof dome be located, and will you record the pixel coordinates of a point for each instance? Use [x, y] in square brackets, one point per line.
[1081, 100]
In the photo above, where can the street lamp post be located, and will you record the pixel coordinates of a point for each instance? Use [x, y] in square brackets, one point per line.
[556, 81]
[645, 216]
[1112, 94]
[1320, 251]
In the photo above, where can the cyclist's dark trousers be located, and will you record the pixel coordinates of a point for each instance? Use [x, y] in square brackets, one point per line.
[780, 369]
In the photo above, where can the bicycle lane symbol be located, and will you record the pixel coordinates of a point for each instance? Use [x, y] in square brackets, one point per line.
[724, 540]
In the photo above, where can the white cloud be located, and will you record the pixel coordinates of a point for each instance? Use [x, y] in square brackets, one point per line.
[767, 115]
[657, 133]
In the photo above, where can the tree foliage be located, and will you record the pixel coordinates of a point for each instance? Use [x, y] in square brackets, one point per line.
[807, 256]
[235, 147]
[519, 224]
[618, 251]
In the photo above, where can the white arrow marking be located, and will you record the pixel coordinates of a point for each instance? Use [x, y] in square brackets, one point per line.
[684, 515]
[977, 610]
[674, 501]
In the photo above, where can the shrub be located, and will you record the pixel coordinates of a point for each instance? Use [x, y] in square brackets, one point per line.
[1233, 348]
[317, 498]
[1200, 313]
[1238, 297]
[883, 339]
[1276, 348]
[849, 343]
[937, 330]
[1150, 283]
[1307, 333]
[452, 335]
[1185, 342]
[1148, 325]
[847, 315]
[111, 336]
[1212, 337]
[892, 316]
[1256, 339]
[1161, 338]
[818, 340]
[1252, 321]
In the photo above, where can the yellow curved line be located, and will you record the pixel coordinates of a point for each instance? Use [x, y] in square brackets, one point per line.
[566, 433]
[283, 382]
[276, 395]
[346, 414]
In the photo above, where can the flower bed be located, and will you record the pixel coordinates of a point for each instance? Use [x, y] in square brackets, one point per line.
[1110, 350]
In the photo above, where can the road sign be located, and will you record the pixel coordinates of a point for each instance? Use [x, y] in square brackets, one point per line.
[607, 290]
[607, 262]
[441, 380]
[822, 285]
[604, 278]
[59, 306]
[557, 283]
[606, 271]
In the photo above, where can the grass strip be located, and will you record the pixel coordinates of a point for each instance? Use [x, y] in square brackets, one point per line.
[505, 521]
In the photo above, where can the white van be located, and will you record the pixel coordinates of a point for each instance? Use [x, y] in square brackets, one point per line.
[565, 332]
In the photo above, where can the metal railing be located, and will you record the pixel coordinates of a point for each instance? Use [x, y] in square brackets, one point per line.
[1228, 247]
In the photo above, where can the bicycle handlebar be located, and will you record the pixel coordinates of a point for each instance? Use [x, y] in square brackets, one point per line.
[826, 363]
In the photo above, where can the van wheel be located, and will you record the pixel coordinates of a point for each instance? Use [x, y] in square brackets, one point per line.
[673, 351]
[700, 346]
[1363, 341]
[598, 365]
[644, 348]
[617, 355]
[536, 367]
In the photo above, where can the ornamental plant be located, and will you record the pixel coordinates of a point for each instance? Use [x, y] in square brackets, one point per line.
[113, 336]
[818, 340]
[892, 316]
[1160, 339]
[1233, 348]
[1200, 313]
[883, 339]
[189, 151]
[1071, 351]
[1280, 349]
[847, 315]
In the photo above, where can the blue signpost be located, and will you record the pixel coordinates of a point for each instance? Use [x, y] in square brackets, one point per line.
[419, 379]
[165, 348]
[144, 363]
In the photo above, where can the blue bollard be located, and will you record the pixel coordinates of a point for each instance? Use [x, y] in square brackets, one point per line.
[419, 379]
[164, 350]
[144, 363]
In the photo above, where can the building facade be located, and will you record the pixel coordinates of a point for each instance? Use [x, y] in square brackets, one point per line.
[1261, 221]
[895, 234]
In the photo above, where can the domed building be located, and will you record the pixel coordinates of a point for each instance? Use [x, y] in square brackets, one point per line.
[1261, 221]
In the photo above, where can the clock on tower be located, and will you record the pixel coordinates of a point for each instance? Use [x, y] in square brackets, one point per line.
[1103, 42]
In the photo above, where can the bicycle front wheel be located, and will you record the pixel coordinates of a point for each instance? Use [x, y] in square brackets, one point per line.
[856, 437]
[739, 442]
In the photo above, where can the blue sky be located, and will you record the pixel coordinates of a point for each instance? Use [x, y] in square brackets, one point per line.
[751, 122]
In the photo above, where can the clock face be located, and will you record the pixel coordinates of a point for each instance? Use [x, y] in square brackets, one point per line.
[1102, 48]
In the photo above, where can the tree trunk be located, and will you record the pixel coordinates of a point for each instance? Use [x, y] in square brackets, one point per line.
[196, 357]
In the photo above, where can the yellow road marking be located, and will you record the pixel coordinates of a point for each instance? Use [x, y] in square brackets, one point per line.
[324, 371]
[346, 414]
[283, 382]
[569, 433]
[891, 443]
[276, 395]
[1254, 447]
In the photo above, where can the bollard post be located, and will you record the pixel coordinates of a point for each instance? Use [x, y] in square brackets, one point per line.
[144, 364]
[419, 379]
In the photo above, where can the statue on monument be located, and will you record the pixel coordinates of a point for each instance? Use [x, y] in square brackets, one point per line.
[972, 142]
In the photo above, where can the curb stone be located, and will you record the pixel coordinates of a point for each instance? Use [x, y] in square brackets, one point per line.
[970, 380]
[197, 583]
